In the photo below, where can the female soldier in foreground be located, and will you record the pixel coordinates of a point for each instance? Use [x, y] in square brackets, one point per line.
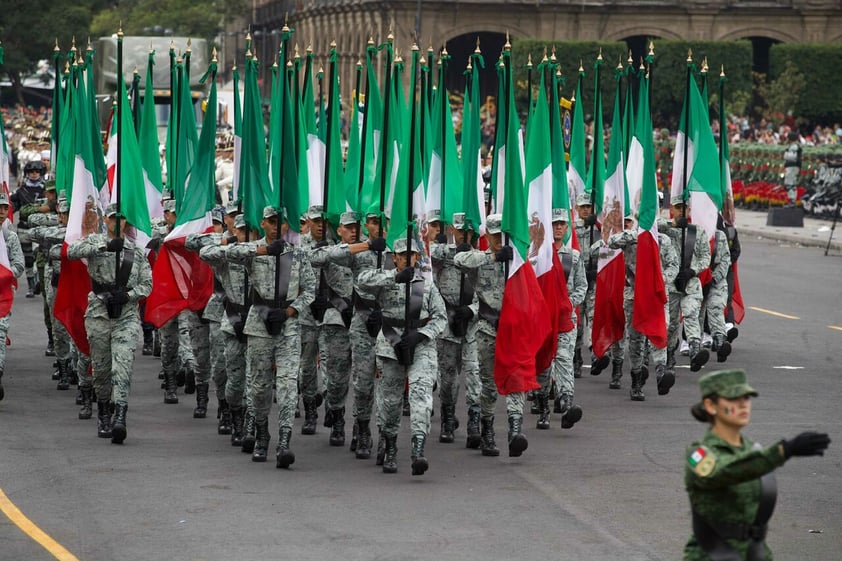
[729, 478]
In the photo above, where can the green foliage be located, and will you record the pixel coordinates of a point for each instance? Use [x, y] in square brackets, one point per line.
[819, 101]
[779, 97]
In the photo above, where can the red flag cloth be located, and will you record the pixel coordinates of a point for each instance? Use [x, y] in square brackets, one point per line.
[706, 276]
[180, 280]
[737, 298]
[609, 320]
[8, 284]
[521, 331]
[549, 284]
[650, 296]
[74, 285]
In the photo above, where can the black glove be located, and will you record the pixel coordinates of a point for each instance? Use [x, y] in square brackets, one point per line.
[505, 253]
[590, 220]
[276, 247]
[590, 274]
[230, 240]
[463, 247]
[377, 244]
[685, 275]
[319, 307]
[411, 339]
[115, 244]
[374, 322]
[806, 444]
[277, 316]
[154, 244]
[463, 313]
[119, 297]
[441, 238]
[405, 276]
[681, 222]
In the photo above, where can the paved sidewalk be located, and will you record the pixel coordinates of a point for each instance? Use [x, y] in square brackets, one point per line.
[815, 232]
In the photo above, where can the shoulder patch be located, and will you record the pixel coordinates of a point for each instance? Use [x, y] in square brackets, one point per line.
[702, 460]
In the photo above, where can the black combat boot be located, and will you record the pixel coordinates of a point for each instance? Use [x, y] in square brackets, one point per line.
[30, 291]
[248, 433]
[189, 382]
[363, 451]
[517, 441]
[390, 453]
[56, 373]
[147, 342]
[118, 429]
[534, 409]
[599, 364]
[2, 391]
[543, 411]
[381, 449]
[732, 333]
[236, 426]
[572, 413]
[474, 436]
[419, 461]
[201, 410]
[664, 379]
[489, 447]
[448, 423]
[223, 413]
[722, 348]
[63, 375]
[284, 457]
[616, 375]
[337, 432]
[355, 437]
[261, 441]
[577, 363]
[103, 419]
[636, 391]
[698, 355]
[170, 387]
[670, 366]
[50, 350]
[156, 344]
[311, 416]
[86, 412]
[71, 373]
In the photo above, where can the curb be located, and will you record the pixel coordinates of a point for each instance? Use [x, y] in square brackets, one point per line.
[818, 239]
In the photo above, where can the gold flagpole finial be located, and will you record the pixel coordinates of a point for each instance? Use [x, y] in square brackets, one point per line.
[620, 62]
[553, 58]
[599, 56]
[213, 56]
[581, 67]
[722, 72]
[189, 46]
[285, 28]
[476, 50]
[120, 30]
[56, 48]
[630, 60]
[508, 45]
[248, 35]
[73, 44]
[333, 44]
[444, 51]
[370, 41]
[651, 48]
[689, 55]
[415, 47]
[309, 49]
[529, 60]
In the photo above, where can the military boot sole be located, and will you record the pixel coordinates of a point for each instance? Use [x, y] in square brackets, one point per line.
[665, 383]
[420, 465]
[599, 365]
[118, 434]
[614, 385]
[337, 440]
[170, 400]
[637, 395]
[236, 440]
[224, 429]
[732, 334]
[390, 468]
[699, 360]
[446, 437]
[723, 352]
[517, 445]
[200, 413]
[573, 416]
[308, 429]
[543, 423]
[103, 434]
[491, 452]
[284, 459]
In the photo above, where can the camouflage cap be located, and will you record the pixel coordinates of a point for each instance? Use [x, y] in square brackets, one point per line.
[315, 212]
[460, 222]
[110, 210]
[348, 218]
[583, 199]
[433, 216]
[372, 214]
[62, 206]
[232, 208]
[240, 221]
[729, 384]
[4, 199]
[50, 185]
[494, 223]
[561, 215]
[399, 246]
[217, 214]
[676, 200]
[270, 211]
[169, 205]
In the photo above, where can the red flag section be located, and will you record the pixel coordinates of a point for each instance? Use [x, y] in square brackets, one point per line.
[72, 299]
[650, 296]
[8, 282]
[180, 281]
[737, 298]
[522, 317]
[608, 318]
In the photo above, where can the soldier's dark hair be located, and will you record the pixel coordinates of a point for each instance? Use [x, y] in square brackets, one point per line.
[700, 413]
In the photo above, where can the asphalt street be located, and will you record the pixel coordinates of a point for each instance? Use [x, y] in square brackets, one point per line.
[609, 489]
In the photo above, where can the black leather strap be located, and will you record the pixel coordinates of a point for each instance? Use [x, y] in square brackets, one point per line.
[122, 277]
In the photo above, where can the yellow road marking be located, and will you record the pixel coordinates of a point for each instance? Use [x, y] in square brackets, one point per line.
[836, 327]
[33, 531]
[773, 313]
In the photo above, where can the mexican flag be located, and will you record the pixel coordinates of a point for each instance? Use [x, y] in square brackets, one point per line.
[649, 292]
[371, 139]
[311, 177]
[180, 279]
[255, 190]
[525, 323]
[728, 211]
[105, 194]
[577, 174]
[474, 189]
[150, 150]
[562, 190]
[609, 204]
[238, 137]
[8, 282]
[333, 187]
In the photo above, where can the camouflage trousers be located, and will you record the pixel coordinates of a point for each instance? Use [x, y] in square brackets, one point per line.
[488, 388]
[273, 364]
[62, 344]
[337, 363]
[43, 281]
[456, 359]
[363, 366]
[200, 345]
[4, 329]
[514, 404]
[82, 363]
[113, 343]
[176, 351]
[561, 368]
[389, 395]
[585, 316]
[186, 359]
[219, 374]
[235, 367]
[714, 307]
[688, 305]
[308, 381]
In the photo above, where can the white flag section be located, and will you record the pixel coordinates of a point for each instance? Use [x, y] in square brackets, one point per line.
[315, 169]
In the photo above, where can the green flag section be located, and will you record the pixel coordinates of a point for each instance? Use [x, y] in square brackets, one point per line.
[351, 177]
[333, 189]
[473, 203]
[370, 201]
[524, 325]
[650, 295]
[498, 162]
[698, 182]
[609, 320]
[186, 139]
[150, 147]
[561, 187]
[577, 174]
[129, 188]
[728, 211]
[311, 165]
[238, 137]
[93, 118]
[596, 169]
[445, 184]
[255, 189]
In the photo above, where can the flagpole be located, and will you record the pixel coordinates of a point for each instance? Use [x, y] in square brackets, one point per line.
[686, 146]
[507, 78]
[119, 171]
[356, 98]
[173, 128]
[284, 85]
[384, 149]
[443, 58]
[57, 108]
[411, 183]
[136, 99]
[529, 87]
[364, 132]
[597, 104]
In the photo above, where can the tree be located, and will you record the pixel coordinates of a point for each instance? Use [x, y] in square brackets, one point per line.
[780, 97]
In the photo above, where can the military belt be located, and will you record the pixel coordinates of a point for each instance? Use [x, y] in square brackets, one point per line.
[258, 300]
[102, 288]
[489, 314]
[402, 324]
[361, 304]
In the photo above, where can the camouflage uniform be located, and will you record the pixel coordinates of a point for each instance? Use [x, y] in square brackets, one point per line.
[583, 233]
[273, 361]
[716, 296]
[112, 339]
[38, 219]
[421, 373]
[457, 354]
[16, 264]
[309, 376]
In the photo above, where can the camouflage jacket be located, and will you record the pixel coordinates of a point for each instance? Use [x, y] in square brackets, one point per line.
[13, 250]
[50, 239]
[577, 283]
[392, 299]
[214, 309]
[491, 280]
[627, 241]
[340, 254]
[450, 280]
[261, 271]
[720, 258]
[338, 283]
[102, 270]
[232, 277]
[699, 261]
[723, 482]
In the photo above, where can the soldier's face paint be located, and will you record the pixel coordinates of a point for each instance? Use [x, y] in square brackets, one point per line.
[734, 413]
